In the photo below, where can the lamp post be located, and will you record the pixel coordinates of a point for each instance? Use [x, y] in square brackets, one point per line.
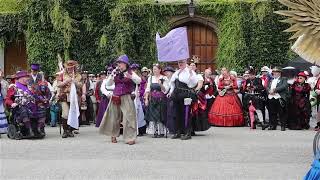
[191, 9]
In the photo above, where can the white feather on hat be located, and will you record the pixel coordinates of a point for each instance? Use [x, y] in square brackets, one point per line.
[233, 73]
[315, 70]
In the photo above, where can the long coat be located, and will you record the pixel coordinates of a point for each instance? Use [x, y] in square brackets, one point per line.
[281, 88]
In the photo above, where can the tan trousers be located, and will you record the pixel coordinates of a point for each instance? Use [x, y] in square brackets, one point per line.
[65, 109]
[110, 124]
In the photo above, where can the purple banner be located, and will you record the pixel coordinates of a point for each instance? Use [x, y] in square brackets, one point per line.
[173, 46]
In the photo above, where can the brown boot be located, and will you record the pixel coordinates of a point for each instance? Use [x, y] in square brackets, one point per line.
[114, 140]
[65, 128]
[131, 142]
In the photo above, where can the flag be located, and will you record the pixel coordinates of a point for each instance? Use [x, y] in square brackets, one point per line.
[174, 46]
[74, 112]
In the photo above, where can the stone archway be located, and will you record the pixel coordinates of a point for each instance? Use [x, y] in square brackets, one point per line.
[202, 36]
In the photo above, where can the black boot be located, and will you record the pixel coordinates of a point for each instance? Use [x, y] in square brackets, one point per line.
[176, 136]
[186, 136]
[283, 128]
[41, 132]
[264, 126]
[65, 134]
[254, 125]
[272, 127]
[70, 133]
[30, 133]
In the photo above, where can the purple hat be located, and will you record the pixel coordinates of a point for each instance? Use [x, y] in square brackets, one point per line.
[134, 66]
[168, 68]
[35, 67]
[21, 74]
[124, 59]
[109, 69]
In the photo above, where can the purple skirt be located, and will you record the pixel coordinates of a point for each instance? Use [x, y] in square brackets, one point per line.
[171, 116]
[102, 109]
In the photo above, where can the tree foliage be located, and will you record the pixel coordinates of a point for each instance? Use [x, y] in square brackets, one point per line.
[95, 32]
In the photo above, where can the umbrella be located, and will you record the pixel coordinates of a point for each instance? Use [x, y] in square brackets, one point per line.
[303, 16]
[314, 172]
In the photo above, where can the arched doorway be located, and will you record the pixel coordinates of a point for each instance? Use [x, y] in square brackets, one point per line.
[203, 41]
[15, 57]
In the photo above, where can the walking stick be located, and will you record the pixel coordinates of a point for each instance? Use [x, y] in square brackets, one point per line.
[187, 103]
[59, 119]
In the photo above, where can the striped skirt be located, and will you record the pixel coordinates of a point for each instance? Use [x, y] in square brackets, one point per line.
[3, 120]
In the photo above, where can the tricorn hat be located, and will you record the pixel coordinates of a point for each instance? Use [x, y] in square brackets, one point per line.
[71, 64]
[276, 69]
[144, 69]
[168, 68]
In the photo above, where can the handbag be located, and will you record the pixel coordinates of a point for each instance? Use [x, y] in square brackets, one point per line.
[116, 100]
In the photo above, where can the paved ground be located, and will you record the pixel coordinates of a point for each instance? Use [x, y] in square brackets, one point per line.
[220, 153]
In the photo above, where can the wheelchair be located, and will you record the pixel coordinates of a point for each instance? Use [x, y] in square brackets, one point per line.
[18, 131]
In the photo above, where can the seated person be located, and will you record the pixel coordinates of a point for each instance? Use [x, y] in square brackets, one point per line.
[21, 100]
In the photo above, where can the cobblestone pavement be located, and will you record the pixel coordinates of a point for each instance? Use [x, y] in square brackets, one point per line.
[220, 153]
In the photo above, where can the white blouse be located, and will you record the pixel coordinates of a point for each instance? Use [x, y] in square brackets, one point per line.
[191, 79]
[153, 79]
[106, 90]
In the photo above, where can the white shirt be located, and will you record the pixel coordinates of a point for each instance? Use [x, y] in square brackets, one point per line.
[312, 81]
[34, 77]
[200, 77]
[191, 79]
[153, 79]
[274, 83]
[106, 90]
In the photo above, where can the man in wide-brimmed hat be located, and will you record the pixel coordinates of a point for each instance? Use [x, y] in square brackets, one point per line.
[20, 99]
[71, 75]
[122, 105]
[87, 110]
[277, 100]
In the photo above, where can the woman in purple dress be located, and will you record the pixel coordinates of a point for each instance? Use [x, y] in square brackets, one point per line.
[106, 93]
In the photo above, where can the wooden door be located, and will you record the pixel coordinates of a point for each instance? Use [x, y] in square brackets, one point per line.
[203, 43]
[15, 57]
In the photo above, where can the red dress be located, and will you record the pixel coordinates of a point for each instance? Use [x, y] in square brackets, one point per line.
[226, 110]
